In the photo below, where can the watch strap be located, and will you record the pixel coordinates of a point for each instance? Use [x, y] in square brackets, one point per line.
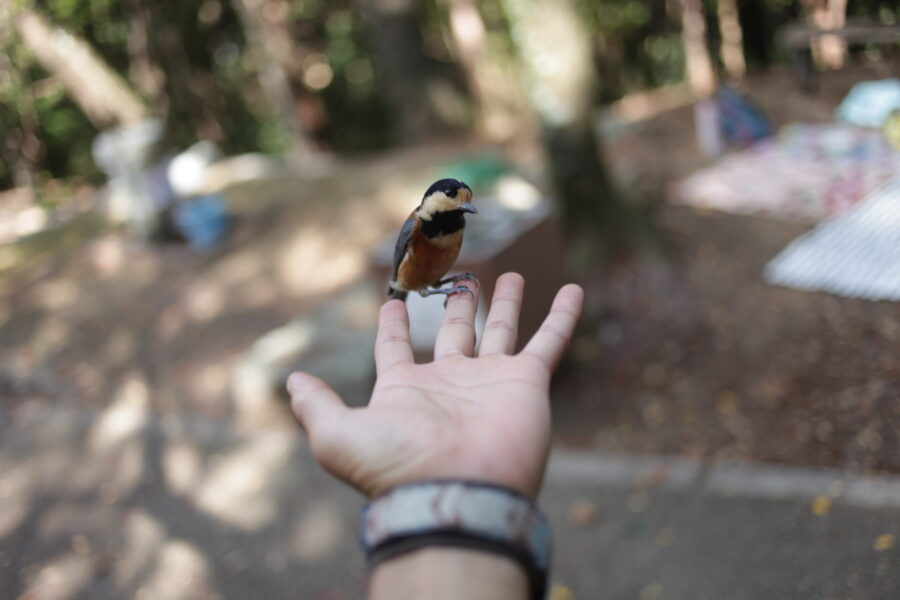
[462, 514]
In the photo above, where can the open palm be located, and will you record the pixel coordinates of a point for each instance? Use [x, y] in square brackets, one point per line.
[481, 418]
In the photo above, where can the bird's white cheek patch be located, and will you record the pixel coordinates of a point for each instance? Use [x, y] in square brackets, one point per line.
[437, 202]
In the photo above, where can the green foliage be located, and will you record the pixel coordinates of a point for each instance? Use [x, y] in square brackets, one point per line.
[208, 88]
[29, 98]
[639, 44]
[357, 119]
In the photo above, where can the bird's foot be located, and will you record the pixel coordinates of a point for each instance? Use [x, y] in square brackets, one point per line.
[456, 279]
[457, 289]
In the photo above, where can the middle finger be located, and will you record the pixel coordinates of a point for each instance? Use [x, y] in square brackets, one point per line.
[456, 335]
[501, 329]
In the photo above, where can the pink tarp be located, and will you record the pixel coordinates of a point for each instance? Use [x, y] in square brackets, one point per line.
[806, 173]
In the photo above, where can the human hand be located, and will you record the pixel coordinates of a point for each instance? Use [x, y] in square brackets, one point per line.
[484, 418]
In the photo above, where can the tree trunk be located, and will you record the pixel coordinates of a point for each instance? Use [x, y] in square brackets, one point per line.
[500, 100]
[187, 86]
[732, 39]
[406, 72]
[143, 72]
[103, 96]
[700, 74]
[829, 51]
[757, 24]
[20, 145]
[560, 79]
[273, 53]
[294, 58]
[701, 77]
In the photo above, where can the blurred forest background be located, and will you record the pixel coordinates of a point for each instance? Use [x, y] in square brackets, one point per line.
[281, 76]
[338, 110]
[145, 447]
[595, 102]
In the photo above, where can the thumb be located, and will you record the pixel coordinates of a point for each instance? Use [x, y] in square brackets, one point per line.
[313, 401]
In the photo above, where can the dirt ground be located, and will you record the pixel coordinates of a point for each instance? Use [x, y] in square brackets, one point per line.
[686, 350]
[692, 353]
[683, 348]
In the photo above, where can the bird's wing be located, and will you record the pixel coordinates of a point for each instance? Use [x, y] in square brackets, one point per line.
[402, 244]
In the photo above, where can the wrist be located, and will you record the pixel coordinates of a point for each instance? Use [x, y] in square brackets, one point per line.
[461, 515]
[443, 573]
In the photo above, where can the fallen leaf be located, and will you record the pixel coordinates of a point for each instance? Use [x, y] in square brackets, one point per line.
[821, 505]
[560, 592]
[582, 512]
[884, 542]
[727, 403]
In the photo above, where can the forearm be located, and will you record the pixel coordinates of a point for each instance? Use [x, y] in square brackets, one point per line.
[443, 573]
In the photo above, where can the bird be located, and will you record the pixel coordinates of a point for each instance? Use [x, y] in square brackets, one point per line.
[429, 242]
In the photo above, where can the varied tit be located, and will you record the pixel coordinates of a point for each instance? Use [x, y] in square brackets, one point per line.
[430, 240]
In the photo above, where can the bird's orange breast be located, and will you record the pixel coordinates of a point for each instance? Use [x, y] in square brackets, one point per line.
[427, 260]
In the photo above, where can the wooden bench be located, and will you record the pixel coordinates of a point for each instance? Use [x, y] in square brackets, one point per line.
[797, 37]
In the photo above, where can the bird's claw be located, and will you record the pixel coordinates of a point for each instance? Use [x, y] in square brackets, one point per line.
[457, 278]
[457, 289]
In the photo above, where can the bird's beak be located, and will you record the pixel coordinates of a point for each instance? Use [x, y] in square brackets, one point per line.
[468, 207]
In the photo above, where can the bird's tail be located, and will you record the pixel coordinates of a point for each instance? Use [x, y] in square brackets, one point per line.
[396, 295]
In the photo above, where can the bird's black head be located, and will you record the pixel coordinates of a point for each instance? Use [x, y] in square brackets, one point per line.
[449, 187]
[446, 196]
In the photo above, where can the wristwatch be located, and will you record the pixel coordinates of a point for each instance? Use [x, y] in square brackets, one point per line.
[467, 514]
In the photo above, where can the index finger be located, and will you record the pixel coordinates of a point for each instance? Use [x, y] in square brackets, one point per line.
[554, 335]
[392, 345]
